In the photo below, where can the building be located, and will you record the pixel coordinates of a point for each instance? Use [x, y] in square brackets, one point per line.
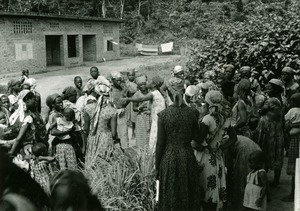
[35, 41]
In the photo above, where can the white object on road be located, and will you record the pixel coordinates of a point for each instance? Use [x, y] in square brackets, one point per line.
[166, 47]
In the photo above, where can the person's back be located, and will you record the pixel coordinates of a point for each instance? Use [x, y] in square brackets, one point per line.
[179, 122]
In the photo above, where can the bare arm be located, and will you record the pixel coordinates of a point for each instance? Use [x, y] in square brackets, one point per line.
[113, 126]
[56, 132]
[242, 114]
[146, 97]
[86, 123]
[19, 138]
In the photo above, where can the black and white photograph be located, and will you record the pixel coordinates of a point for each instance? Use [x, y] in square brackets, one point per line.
[149, 105]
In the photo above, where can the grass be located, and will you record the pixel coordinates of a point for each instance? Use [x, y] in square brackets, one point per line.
[124, 181]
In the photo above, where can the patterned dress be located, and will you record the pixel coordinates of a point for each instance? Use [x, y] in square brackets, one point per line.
[41, 174]
[158, 105]
[143, 124]
[179, 187]
[101, 143]
[271, 141]
[211, 162]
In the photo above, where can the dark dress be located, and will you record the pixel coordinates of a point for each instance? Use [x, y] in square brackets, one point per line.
[179, 177]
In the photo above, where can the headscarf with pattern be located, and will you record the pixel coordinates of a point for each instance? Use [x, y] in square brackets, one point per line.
[176, 87]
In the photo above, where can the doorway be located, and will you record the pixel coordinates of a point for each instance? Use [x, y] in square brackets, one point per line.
[89, 47]
[54, 52]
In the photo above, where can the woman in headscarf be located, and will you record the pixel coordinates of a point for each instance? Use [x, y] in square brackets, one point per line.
[69, 101]
[271, 137]
[157, 105]
[178, 175]
[213, 128]
[143, 121]
[100, 123]
[22, 121]
[242, 109]
[13, 89]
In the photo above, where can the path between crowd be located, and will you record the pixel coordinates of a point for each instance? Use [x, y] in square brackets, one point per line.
[56, 81]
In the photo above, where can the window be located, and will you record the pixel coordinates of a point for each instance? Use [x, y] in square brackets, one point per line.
[54, 25]
[22, 27]
[23, 51]
[110, 45]
[73, 48]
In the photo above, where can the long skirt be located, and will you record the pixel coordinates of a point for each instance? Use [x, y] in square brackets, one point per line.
[293, 154]
[66, 156]
[179, 181]
[212, 176]
[142, 130]
[98, 146]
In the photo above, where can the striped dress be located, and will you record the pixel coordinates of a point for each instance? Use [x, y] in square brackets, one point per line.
[143, 124]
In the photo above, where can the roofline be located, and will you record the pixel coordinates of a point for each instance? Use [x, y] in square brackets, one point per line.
[53, 16]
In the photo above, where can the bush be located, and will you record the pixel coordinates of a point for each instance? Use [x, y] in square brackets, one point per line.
[128, 50]
[266, 41]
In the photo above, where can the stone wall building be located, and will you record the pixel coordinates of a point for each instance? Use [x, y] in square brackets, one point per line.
[35, 42]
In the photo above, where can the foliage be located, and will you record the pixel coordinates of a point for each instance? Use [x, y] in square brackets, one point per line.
[267, 39]
[124, 181]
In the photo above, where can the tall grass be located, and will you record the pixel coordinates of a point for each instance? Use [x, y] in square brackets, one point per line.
[124, 181]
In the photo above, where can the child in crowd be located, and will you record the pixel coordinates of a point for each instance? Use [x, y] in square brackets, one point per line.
[64, 149]
[25, 75]
[78, 86]
[40, 166]
[5, 101]
[255, 196]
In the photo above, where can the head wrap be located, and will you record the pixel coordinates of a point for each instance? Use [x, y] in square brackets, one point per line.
[68, 92]
[244, 85]
[276, 82]
[176, 86]
[132, 87]
[157, 81]
[141, 79]
[245, 69]
[177, 69]
[214, 100]
[51, 99]
[115, 75]
[31, 82]
[191, 90]
[295, 98]
[102, 86]
[208, 85]
[271, 104]
[228, 67]
[20, 112]
[22, 94]
[288, 70]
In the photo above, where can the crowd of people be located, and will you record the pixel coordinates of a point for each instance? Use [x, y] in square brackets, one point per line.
[214, 141]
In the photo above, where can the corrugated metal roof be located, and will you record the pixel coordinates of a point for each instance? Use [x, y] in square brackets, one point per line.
[53, 16]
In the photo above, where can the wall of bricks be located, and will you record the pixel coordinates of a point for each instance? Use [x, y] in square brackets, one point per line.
[94, 49]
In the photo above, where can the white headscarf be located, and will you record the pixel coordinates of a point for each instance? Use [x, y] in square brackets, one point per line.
[20, 112]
